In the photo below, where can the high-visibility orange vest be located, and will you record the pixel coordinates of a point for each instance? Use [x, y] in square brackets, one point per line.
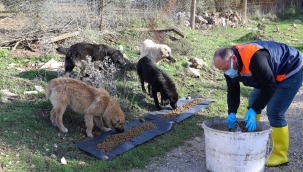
[284, 60]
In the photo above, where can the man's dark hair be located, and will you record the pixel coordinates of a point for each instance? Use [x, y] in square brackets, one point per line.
[224, 53]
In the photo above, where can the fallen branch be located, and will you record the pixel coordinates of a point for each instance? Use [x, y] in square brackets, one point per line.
[36, 37]
[174, 29]
[14, 48]
[60, 37]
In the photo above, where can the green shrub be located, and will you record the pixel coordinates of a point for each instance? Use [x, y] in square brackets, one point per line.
[4, 53]
[289, 12]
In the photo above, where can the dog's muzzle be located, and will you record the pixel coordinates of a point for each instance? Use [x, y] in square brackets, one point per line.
[119, 130]
[171, 58]
[173, 105]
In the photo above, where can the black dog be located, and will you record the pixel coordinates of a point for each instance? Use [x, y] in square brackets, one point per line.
[158, 81]
[80, 51]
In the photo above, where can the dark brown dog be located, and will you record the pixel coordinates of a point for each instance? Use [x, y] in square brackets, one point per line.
[80, 51]
[95, 104]
[158, 81]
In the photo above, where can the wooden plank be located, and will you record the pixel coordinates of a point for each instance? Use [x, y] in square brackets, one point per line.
[60, 37]
[174, 29]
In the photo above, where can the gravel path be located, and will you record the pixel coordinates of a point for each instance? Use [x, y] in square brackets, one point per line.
[192, 158]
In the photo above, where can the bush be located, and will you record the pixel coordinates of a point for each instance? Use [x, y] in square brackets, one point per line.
[3, 53]
[290, 12]
[20, 5]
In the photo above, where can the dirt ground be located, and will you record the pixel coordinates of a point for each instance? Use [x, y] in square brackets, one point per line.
[191, 157]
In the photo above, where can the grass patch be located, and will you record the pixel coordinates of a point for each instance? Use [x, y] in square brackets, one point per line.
[28, 138]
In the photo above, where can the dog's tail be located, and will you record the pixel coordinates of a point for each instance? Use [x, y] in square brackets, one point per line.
[62, 50]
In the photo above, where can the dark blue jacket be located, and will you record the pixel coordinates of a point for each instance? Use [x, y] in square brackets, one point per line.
[262, 64]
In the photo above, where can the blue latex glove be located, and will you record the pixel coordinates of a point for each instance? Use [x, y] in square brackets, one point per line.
[231, 120]
[250, 119]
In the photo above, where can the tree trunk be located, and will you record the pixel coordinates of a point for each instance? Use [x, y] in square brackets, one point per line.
[101, 16]
[244, 10]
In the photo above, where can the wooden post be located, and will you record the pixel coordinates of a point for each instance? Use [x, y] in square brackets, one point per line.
[101, 16]
[244, 10]
[192, 14]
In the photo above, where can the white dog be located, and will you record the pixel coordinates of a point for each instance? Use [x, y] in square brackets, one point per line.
[157, 52]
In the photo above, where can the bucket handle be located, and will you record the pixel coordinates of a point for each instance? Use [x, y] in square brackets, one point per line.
[268, 145]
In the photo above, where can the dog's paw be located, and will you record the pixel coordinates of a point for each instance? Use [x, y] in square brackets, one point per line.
[105, 129]
[54, 124]
[65, 130]
[90, 135]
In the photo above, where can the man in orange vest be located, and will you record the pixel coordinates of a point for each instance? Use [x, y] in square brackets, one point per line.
[274, 70]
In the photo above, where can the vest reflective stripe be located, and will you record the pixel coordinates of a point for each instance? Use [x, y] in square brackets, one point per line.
[246, 51]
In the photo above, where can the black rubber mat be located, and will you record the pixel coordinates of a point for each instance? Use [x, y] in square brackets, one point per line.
[183, 115]
[90, 146]
[163, 125]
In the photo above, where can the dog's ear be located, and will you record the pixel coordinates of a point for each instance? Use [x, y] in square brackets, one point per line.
[165, 51]
[114, 122]
[118, 57]
[114, 57]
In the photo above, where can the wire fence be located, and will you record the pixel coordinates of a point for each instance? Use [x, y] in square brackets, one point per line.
[28, 21]
[53, 16]
[49, 17]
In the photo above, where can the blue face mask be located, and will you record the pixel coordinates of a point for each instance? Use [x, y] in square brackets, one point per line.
[231, 72]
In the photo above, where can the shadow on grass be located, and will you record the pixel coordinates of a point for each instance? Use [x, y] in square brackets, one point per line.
[137, 104]
[45, 75]
[249, 37]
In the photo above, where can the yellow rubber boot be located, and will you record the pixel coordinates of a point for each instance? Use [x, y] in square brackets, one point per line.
[258, 116]
[280, 143]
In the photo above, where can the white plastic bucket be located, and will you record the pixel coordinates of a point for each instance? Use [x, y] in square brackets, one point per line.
[235, 151]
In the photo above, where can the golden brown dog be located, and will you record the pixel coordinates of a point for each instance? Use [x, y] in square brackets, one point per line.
[95, 104]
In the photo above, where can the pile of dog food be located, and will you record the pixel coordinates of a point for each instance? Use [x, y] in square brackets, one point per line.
[242, 125]
[174, 113]
[113, 140]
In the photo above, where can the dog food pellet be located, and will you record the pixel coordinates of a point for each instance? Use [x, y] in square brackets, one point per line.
[242, 125]
[174, 113]
[113, 140]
